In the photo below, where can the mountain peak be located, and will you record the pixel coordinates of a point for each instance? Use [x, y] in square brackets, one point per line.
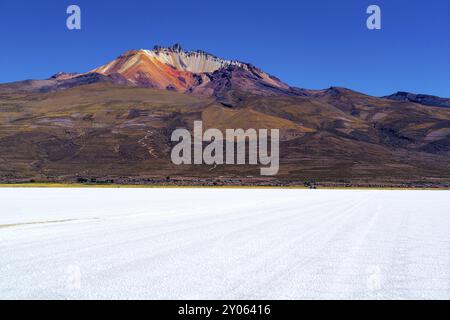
[174, 48]
[174, 57]
[173, 68]
[423, 99]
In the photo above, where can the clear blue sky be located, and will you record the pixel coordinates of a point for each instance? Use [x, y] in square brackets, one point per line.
[311, 44]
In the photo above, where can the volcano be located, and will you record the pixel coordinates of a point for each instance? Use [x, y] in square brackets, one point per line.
[113, 124]
[170, 69]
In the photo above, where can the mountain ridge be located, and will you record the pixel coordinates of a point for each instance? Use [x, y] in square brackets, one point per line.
[424, 99]
[114, 124]
[193, 72]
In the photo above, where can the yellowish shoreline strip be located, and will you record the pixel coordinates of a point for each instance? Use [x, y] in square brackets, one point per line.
[136, 186]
